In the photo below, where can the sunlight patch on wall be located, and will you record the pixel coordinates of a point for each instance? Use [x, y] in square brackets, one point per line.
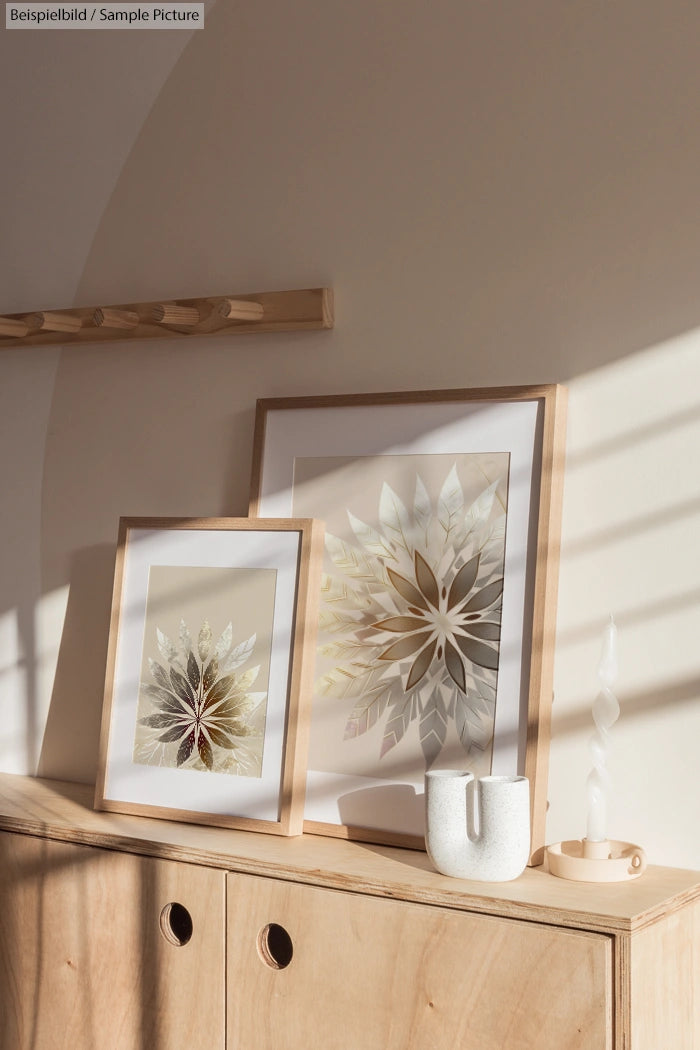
[28, 657]
[13, 688]
[49, 617]
[630, 548]
[632, 513]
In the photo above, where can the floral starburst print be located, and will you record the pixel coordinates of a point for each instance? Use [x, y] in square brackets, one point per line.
[411, 615]
[197, 710]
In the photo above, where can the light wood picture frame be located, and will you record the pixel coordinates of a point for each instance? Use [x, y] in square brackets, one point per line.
[433, 501]
[210, 671]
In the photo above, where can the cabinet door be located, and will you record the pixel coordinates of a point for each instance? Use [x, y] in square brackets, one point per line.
[310, 967]
[93, 956]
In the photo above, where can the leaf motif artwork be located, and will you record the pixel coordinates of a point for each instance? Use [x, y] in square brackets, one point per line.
[203, 684]
[204, 718]
[409, 645]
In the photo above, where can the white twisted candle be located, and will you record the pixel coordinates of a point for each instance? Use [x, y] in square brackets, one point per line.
[606, 711]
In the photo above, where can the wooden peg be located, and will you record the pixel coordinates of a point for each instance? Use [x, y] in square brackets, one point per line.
[12, 328]
[109, 317]
[171, 313]
[240, 310]
[45, 321]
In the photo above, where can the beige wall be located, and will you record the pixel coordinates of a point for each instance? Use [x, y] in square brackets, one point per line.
[499, 195]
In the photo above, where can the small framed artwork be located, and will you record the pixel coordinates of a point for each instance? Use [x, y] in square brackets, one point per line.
[438, 592]
[210, 671]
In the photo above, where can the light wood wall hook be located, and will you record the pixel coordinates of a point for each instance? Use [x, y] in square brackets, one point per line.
[298, 310]
[10, 328]
[53, 321]
[241, 310]
[172, 313]
[107, 317]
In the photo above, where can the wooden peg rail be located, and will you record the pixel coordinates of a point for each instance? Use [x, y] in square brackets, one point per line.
[304, 309]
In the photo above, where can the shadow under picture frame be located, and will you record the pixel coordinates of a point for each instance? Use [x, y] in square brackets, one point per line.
[209, 671]
[438, 593]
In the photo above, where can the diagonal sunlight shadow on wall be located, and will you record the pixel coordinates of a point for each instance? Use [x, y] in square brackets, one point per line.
[71, 733]
[635, 705]
[631, 515]
[29, 653]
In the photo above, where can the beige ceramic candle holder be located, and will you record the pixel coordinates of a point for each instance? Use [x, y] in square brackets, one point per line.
[606, 861]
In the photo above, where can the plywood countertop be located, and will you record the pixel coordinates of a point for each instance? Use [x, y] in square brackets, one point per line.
[64, 811]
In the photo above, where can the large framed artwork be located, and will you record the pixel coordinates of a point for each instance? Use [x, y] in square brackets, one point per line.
[210, 671]
[438, 592]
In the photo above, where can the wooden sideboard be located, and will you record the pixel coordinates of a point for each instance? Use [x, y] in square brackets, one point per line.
[127, 933]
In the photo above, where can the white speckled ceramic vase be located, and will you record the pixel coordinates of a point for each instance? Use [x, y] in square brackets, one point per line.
[477, 829]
